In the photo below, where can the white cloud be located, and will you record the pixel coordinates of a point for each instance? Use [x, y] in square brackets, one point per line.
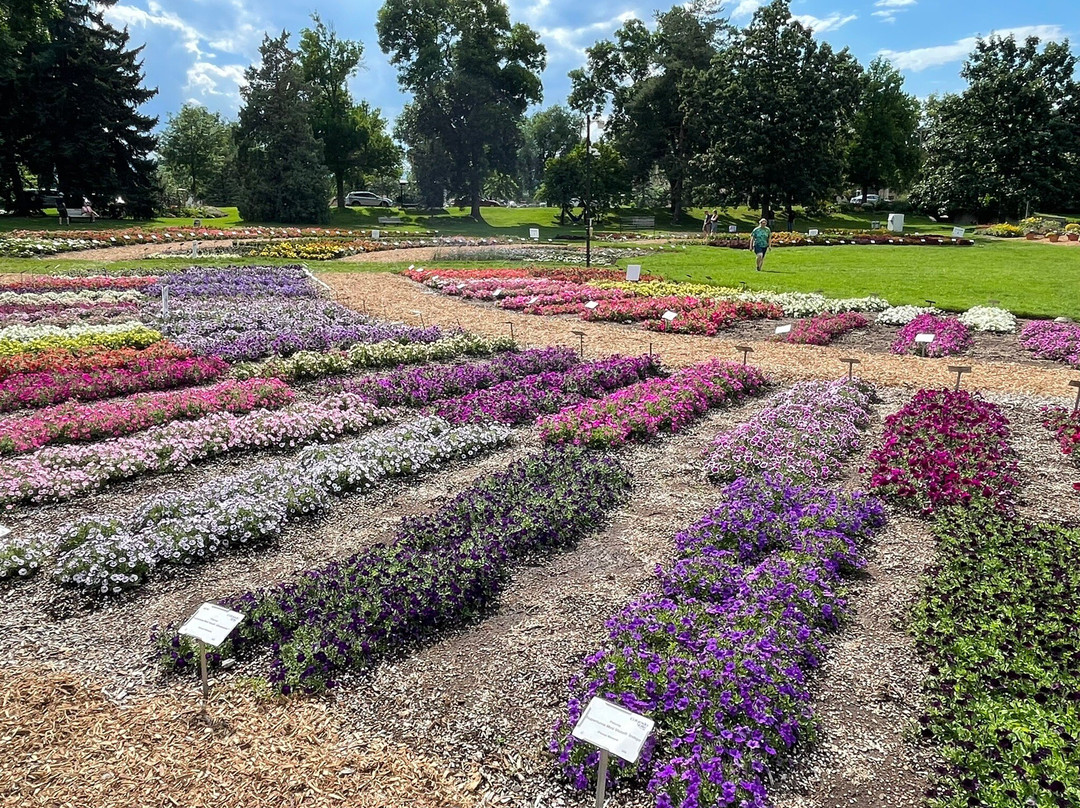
[747, 7]
[924, 58]
[575, 40]
[130, 16]
[820, 25]
[894, 3]
[885, 16]
[208, 79]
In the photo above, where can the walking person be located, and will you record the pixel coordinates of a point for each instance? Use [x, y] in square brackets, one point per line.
[759, 241]
[61, 208]
[707, 227]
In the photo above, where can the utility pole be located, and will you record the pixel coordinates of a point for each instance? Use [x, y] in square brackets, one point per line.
[588, 190]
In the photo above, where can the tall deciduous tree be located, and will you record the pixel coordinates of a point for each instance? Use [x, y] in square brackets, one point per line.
[195, 146]
[884, 149]
[546, 134]
[1011, 138]
[776, 107]
[278, 157]
[567, 176]
[472, 75]
[651, 77]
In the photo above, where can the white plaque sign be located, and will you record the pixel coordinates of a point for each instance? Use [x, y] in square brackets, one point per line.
[4, 531]
[783, 329]
[924, 338]
[211, 624]
[534, 233]
[375, 233]
[958, 232]
[670, 315]
[813, 232]
[614, 729]
[732, 228]
[592, 304]
[633, 272]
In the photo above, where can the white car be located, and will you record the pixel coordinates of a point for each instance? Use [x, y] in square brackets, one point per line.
[366, 198]
[858, 200]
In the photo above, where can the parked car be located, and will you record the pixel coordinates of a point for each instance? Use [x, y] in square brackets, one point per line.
[858, 200]
[355, 198]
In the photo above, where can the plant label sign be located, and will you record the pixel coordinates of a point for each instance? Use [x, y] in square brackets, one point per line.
[4, 531]
[633, 272]
[813, 232]
[669, 315]
[924, 338]
[375, 234]
[613, 729]
[592, 304]
[534, 233]
[211, 624]
[733, 228]
[958, 232]
[783, 329]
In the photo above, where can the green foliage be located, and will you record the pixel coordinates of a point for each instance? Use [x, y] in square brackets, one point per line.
[999, 622]
[774, 107]
[279, 159]
[472, 75]
[195, 147]
[1010, 139]
[549, 133]
[603, 179]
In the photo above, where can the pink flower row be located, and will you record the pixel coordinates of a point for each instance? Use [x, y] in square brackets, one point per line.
[643, 410]
[63, 283]
[950, 336]
[823, 328]
[711, 317]
[71, 422]
[25, 390]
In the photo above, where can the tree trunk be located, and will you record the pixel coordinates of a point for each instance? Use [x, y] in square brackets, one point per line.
[562, 216]
[474, 194]
[339, 177]
[676, 200]
[865, 191]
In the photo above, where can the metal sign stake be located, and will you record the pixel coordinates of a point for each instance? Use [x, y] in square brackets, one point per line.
[205, 681]
[511, 324]
[581, 342]
[959, 370]
[165, 302]
[1076, 406]
[601, 777]
[746, 350]
[851, 363]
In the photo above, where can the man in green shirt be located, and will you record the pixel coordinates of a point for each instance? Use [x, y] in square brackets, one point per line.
[759, 241]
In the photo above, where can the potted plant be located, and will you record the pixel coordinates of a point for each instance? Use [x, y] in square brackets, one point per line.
[1072, 231]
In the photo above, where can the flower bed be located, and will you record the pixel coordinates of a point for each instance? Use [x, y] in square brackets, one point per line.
[643, 410]
[33, 333]
[107, 555]
[59, 473]
[437, 572]
[87, 359]
[67, 316]
[902, 315]
[950, 336]
[415, 387]
[25, 390]
[712, 317]
[248, 281]
[945, 448]
[138, 336]
[84, 298]
[316, 365]
[823, 328]
[989, 318]
[719, 653]
[439, 277]
[40, 283]
[804, 435]
[71, 422]
[1049, 340]
[264, 326]
[1066, 428]
[522, 401]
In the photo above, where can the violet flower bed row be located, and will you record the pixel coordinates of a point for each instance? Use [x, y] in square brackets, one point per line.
[266, 326]
[248, 281]
[641, 411]
[60, 473]
[316, 365]
[415, 387]
[946, 448]
[71, 422]
[805, 434]
[950, 336]
[521, 401]
[104, 555]
[719, 654]
[25, 390]
[66, 316]
[1050, 340]
[439, 571]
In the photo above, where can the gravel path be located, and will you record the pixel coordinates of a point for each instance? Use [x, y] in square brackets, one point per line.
[394, 297]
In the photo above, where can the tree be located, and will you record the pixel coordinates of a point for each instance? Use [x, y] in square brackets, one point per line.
[472, 75]
[651, 77]
[376, 154]
[195, 146]
[546, 134]
[884, 150]
[567, 176]
[83, 130]
[278, 157]
[1011, 138]
[776, 106]
[328, 63]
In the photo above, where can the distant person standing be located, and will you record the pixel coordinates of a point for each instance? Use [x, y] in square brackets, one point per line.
[61, 209]
[759, 241]
[706, 227]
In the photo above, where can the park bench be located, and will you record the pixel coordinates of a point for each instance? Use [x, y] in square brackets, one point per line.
[390, 220]
[638, 223]
[78, 213]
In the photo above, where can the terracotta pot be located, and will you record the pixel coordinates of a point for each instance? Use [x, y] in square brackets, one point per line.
[1053, 237]
[1031, 236]
[1073, 236]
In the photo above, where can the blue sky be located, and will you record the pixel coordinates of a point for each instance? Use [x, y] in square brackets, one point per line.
[197, 50]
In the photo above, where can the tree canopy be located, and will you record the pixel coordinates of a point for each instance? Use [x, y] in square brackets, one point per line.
[195, 148]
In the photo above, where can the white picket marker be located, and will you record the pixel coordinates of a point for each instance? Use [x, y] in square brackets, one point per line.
[614, 730]
[633, 272]
[210, 626]
[783, 329]
[669, 315]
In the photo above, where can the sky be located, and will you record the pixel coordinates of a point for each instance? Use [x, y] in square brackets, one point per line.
[196, 51]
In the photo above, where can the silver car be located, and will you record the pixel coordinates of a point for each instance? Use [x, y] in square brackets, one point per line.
[355, 198]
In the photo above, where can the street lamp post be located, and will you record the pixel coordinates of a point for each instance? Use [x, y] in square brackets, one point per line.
[588, 190]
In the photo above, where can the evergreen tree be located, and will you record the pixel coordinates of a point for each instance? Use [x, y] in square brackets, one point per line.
[279, 160]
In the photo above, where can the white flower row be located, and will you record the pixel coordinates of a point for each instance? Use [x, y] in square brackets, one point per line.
[989, 318]
[29, 333]
[71, 298]
[902, 315]
[108, 555]
[58, 473]
[807, 304]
